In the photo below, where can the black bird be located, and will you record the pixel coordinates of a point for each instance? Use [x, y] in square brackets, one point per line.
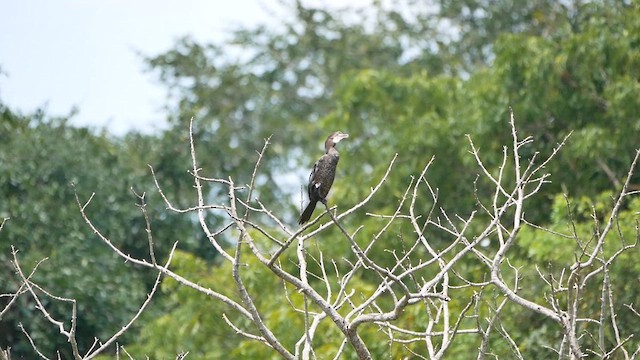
[322, 175]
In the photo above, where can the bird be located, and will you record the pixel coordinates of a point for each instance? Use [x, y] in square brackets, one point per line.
[322, 175]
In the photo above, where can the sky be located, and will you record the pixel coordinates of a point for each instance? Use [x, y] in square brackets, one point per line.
[85, 54]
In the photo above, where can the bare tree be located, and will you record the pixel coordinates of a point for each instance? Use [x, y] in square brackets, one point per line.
[422, 275]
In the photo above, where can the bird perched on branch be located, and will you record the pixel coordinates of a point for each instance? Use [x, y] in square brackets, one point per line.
[322, 175]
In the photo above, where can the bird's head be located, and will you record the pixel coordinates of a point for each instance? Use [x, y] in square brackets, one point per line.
[335, 138]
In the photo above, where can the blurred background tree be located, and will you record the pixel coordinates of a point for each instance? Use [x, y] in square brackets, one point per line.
[411, 78]
[44, 160]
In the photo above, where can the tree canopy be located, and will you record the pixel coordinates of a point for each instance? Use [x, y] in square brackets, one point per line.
[411, 79]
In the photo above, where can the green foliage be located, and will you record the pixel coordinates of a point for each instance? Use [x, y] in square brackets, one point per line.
[420, 115]
[397, 84]
[196, 324]
[579, 222]
[264, 82]
[44, 162]
[478, 24]
[310, 78]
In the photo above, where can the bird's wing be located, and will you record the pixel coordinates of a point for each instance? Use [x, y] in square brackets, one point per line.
[311, 176]
[313, 171]
[313, 183]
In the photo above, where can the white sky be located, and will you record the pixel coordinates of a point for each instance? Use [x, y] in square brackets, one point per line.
[82, 53]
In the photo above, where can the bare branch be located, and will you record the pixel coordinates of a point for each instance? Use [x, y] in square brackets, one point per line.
[610, 221]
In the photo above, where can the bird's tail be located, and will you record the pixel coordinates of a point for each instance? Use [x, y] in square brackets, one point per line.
[306, 214]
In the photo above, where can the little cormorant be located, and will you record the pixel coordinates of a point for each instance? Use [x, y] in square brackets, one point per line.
[322, 175]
